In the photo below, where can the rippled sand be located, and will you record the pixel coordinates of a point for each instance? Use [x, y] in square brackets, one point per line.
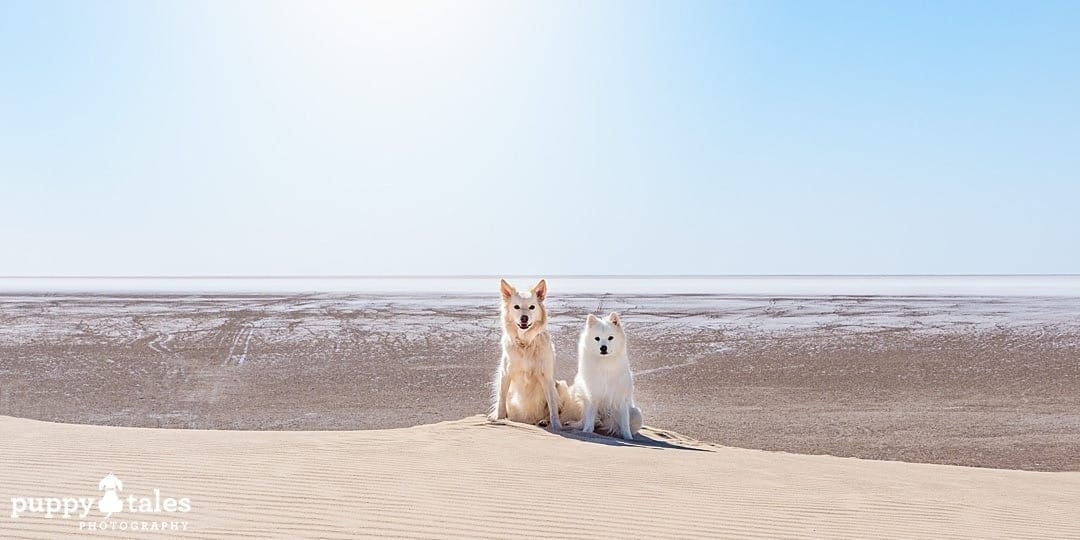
[470, 478]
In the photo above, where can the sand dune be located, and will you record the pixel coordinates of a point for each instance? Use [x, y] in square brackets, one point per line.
[471, 478]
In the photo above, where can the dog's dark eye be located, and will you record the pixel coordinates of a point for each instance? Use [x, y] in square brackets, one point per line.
[517, 307]
[532, 307]
[597, 338]
[609, 338]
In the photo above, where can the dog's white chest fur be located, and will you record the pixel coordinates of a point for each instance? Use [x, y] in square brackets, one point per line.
[606, 381]
[528, 358]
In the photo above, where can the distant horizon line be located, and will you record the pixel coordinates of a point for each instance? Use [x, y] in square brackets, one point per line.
[515, 276]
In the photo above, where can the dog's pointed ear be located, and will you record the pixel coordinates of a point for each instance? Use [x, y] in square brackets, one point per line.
[613, 318]
[590, 321]
[506, 290]
[540, 290]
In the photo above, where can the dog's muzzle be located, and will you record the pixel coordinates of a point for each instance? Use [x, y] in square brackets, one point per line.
[524, 323]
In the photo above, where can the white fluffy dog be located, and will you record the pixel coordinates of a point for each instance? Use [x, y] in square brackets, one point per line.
[525, 382]
[603, 390]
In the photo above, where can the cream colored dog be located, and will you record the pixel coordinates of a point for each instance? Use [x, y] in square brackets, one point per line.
[525, 382]
[603, 390]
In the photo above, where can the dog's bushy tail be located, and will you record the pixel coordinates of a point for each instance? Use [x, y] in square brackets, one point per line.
[493, 402]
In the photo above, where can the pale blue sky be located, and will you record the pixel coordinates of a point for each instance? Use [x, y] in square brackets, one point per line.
[539, 138]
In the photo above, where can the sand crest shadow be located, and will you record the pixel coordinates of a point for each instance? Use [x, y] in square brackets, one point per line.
[650, 439]
[647, 438]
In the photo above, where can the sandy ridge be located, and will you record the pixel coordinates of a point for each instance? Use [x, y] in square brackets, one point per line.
[471, 478]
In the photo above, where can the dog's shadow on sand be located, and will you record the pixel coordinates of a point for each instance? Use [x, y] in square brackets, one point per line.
[658, 440]
[654, 438]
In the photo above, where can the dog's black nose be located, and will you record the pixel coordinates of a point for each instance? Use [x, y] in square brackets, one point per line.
[603, 349]
[524, 318]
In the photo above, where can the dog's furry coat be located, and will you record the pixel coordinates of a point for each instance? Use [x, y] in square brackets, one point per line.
[602, 396]
[525, 382]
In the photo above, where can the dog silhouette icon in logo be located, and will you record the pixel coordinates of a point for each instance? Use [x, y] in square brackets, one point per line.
[110, 502]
